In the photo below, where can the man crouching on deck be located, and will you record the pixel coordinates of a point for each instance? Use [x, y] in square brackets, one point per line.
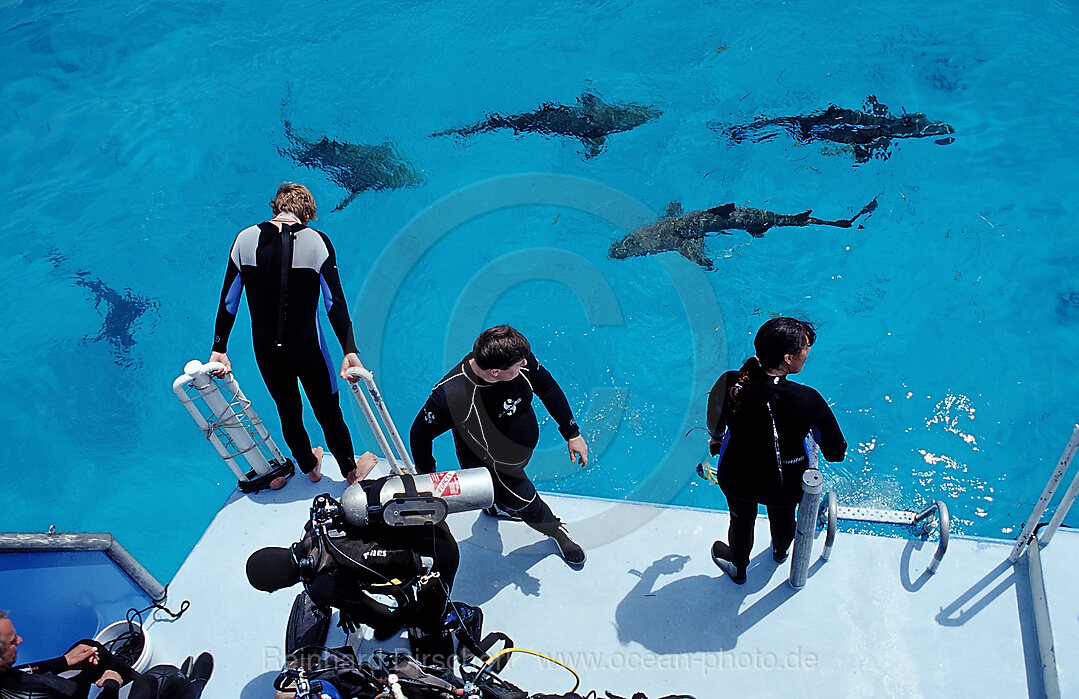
[96, 666]
[486, 399]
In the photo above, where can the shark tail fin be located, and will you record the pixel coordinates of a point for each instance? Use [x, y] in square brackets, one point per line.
[724, 210]
[866, 210]
[346, 201]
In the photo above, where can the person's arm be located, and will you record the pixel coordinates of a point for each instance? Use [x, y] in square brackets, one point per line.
[231, 290]
[53, 666]
[827, 434]
[717, 423]
[432, 420]
[110, 684]
[554, 399]
[333, 297]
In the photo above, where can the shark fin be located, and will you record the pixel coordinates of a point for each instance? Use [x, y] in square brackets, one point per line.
[758, 231]
[724, 210]
[674, 210]
[592, 146]
[693, 250]
[588, 101]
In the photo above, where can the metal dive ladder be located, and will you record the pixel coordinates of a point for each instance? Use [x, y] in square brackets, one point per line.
[829, 512]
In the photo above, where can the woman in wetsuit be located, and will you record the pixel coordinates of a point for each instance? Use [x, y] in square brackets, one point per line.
[758, 421]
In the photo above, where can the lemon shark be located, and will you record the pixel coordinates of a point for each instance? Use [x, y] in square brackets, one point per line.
[590, 120]
[685, 232]
[355, 167]
[869, 132]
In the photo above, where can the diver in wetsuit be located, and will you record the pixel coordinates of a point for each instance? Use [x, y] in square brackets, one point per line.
[342, 566]
[286, 266]
[758, 422]
[486, 399]
[96, 666]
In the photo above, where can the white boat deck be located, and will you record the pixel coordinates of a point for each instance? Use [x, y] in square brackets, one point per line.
[651, 613]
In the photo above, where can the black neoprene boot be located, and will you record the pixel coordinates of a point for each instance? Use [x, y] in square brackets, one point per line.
[570, 550]
[721, 554]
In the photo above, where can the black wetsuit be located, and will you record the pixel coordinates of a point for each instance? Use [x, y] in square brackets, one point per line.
[285, 328]
[767, 429]
[494, 426]
[42, 680]
[355, 562]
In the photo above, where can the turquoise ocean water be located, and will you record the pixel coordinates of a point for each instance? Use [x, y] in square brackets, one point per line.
[140, 137]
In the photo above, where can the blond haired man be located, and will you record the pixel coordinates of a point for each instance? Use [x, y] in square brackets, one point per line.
[285, 267]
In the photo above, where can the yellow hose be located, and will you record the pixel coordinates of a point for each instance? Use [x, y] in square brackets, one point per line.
[506, 651]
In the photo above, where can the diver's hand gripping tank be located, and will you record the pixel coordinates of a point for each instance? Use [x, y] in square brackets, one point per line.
[419, 499]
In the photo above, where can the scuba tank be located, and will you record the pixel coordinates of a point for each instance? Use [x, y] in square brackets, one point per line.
[417, 499]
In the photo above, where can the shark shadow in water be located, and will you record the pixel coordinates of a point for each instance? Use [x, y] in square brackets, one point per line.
[685, 233]
[868, 132]
[353, 167]
[123, 312]
[590, 121]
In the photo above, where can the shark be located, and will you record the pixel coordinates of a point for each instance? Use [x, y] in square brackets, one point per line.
[685, 232]
[123, 311]
[353, 167]
[869, 132]
[590, 120]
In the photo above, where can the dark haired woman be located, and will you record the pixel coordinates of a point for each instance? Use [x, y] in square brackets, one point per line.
[758, 421]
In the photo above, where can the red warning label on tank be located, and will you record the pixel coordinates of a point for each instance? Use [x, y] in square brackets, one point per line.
[446, 484]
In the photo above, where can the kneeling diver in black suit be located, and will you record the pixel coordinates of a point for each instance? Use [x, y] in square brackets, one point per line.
[387, 577]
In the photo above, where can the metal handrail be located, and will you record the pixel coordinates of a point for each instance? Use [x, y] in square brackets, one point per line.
[829, 512]
[828, 516]
[1027, 534]
[945, 527]
[1043, 629]
[406, 466]
[52, 542]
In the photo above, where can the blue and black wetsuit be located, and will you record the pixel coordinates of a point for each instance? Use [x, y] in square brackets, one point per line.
[285, 271]
[762, 452]
[494, 426]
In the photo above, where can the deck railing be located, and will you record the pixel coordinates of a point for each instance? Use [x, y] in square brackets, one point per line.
[1032, 538]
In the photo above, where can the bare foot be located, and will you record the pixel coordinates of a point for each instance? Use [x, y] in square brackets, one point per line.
[316, 473]
[278, 483]
[365, 463]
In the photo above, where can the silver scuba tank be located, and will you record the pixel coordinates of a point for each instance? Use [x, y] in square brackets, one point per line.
[424, 498]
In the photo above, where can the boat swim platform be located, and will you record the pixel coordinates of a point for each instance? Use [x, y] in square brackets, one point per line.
[650, 612]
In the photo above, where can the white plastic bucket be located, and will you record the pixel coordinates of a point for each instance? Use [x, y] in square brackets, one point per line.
[117, 629]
